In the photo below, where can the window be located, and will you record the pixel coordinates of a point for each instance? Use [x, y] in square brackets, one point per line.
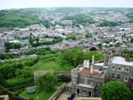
[97, 91]
[113, 75]
[91, 83]
[119, 68]
[113, 67]
[118, 76]
[74, 81]
[126, 78]
[127, 69]
[86, 81]
[97, 85]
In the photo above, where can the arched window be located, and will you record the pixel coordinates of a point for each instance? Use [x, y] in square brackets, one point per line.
[126, 78]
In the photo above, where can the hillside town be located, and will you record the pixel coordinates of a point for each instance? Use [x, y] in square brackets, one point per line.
[108, 32]
[100, 37]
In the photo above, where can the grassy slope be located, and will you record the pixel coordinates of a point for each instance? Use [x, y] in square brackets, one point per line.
[17, 18]
[51, 65]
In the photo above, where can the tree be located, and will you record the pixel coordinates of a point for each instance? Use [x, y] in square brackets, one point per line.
[76, 56]
[88, 35]
[93, 49]
[27, 72]
[98, 55]
[71, 36]
[47, 81]
[46, 23]
[108, 23]
[115, 90]
[72, 56]
[18, 73]
[2, 80]
[131, 40]
[4, 91]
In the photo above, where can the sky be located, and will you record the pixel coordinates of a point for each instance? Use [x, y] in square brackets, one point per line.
[9, 4]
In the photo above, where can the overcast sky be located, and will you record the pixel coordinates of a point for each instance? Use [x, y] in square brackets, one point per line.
[7, 4]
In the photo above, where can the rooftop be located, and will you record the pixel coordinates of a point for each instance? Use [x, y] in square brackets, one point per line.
[87, 71]
[87, 86]
[99, 64]
[121, 60]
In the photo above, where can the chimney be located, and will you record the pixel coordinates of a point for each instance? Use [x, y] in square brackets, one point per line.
[127, 58]
[91, 72]
[86, 64]
[93, 59]
[106, 58]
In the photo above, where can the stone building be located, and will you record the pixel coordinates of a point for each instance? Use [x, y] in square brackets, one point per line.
[88, 78]
[120, 68]
[86, 81]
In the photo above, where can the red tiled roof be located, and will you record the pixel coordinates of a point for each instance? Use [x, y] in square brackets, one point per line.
[87, 71]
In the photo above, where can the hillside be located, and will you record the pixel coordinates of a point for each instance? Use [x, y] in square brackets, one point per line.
[17, 18]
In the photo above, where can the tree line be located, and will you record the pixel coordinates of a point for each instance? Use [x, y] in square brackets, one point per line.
[76, 56]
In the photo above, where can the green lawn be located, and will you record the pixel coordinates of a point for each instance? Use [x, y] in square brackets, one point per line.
[51, 65]
[42, 95]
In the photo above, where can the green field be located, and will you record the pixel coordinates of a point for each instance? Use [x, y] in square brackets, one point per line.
[51, 65]
[38, 95]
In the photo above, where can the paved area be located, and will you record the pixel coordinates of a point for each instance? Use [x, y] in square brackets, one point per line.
[65, 94]
[58, 87]
[86, 98]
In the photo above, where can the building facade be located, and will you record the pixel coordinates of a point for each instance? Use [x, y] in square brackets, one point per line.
[86, 79]
[120, 68]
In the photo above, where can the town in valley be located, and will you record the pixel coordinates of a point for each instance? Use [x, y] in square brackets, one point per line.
[76, 50]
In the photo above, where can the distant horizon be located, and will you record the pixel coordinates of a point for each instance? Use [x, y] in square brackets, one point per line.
[63, 7]
[15, 4]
